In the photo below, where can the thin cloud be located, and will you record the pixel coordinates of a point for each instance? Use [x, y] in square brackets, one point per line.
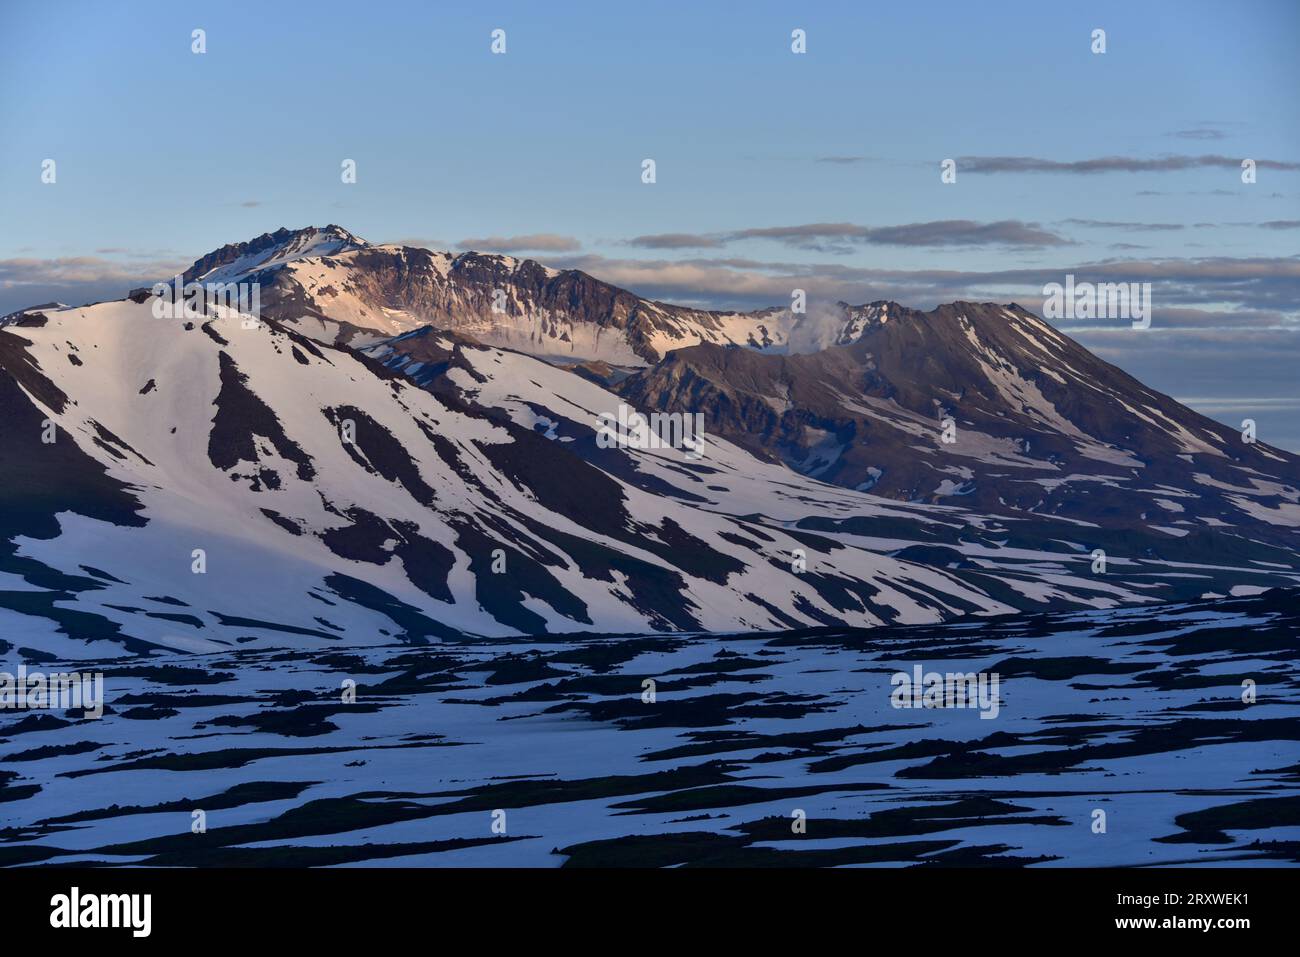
[842, 238]
[83, 269]
[1188, 293]
[1209, 405]
[77, 279]
[1198, 134]
[965, 232]
[675, 241]
[1110, 164]
[420, 243]
[540, 242]
[1116, 224]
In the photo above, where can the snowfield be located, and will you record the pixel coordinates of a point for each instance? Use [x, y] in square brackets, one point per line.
[557, 744]
[232, 443]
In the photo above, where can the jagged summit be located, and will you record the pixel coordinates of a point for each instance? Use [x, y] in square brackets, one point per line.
[279, 247]
[337, 287]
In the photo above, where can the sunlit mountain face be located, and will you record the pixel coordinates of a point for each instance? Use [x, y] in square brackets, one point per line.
[689, 439]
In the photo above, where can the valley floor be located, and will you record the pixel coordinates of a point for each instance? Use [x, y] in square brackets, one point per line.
[546, 752]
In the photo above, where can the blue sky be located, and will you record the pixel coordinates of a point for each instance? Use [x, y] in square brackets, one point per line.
[773, 169]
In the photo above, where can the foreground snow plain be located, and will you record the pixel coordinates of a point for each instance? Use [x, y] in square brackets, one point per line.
[1135, 713]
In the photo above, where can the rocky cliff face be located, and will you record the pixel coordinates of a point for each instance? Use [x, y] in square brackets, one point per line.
[343, 288]
[990, 406]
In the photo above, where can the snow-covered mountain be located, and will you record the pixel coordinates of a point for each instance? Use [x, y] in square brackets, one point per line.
[271, 250]
[1042, 432]
[337, 287]
[990, 406]
[206, 482]
[199, 484]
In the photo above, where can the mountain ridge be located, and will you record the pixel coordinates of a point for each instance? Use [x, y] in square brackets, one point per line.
[428, 486]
